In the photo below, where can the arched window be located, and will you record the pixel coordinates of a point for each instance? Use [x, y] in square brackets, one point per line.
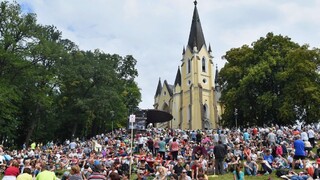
[189, 66]
[205, 111]
[204, 68]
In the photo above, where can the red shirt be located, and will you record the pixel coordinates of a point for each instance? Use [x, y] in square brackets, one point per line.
[12, 171]
[174, 146]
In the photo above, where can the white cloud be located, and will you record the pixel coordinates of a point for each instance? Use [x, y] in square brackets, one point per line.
[154, 31]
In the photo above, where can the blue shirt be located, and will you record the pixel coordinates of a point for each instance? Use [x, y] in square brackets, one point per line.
[241, 175]
[162, 146]
[299, 148]
[268, 158]
[246, 136]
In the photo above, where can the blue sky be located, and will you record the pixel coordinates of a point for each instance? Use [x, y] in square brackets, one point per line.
[155, 31]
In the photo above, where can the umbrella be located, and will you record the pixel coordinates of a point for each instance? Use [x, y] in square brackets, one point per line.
[158, 116]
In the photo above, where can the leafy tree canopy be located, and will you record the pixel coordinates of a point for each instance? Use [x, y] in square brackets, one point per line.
[50, 89]
[275, 80]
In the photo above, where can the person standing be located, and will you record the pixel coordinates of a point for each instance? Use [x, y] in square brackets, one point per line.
[174, 148]
[150, 145]
[299, 153]
[246, 136]
[272, 138]
[219, 154]
[156, 146]
[162, 148]
[311, 137]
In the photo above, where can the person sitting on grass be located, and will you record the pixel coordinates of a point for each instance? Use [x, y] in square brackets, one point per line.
[268, 156]
[46, 172]
[184, 175]
[202, 174]
[238, 174]
[233, 163]
[267, 169]
[26, 175]
[141, 175]
[250, 167]
[161, 173]
[280, 163]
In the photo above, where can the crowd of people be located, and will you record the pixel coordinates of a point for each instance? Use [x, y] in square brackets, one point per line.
[170, 154]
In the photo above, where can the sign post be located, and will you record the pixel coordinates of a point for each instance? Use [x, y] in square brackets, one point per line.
[132, 119]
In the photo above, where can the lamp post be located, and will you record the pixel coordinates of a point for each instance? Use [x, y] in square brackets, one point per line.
[112, 114]
[132, 119]
[236, 117]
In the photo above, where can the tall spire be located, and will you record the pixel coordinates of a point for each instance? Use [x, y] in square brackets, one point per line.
[159, 88]
[196, 37]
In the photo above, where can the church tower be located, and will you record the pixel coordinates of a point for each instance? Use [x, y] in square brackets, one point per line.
[192, 102]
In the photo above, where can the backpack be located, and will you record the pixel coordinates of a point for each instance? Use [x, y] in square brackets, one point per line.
[281, 172]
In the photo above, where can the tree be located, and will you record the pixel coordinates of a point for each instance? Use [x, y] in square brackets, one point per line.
[273, 81]
[50, 90]
[92, 85]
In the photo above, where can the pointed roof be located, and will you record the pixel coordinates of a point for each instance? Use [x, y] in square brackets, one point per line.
[159, 88]
[209, 49]
[178, 78]
[196, 37]
[169, 86]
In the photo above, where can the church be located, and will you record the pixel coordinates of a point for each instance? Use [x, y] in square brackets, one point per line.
[193, 99]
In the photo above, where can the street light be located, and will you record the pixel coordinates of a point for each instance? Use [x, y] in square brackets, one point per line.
[112, 114]
[236, 117]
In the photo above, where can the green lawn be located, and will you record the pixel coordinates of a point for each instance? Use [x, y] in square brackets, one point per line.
[229, 176]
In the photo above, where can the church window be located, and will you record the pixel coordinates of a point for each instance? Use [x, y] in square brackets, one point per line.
[204, 80]
[204, 68]
[189, 66]
[205, 111]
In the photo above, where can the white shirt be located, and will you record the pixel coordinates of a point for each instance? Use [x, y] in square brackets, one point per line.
[279, 132]
[311, 133]
[204, 164]
[215, 137]
[254, 156]
[304, 136]
[185, 136]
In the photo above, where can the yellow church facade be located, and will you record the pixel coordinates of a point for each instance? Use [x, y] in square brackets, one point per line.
[193, 99]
